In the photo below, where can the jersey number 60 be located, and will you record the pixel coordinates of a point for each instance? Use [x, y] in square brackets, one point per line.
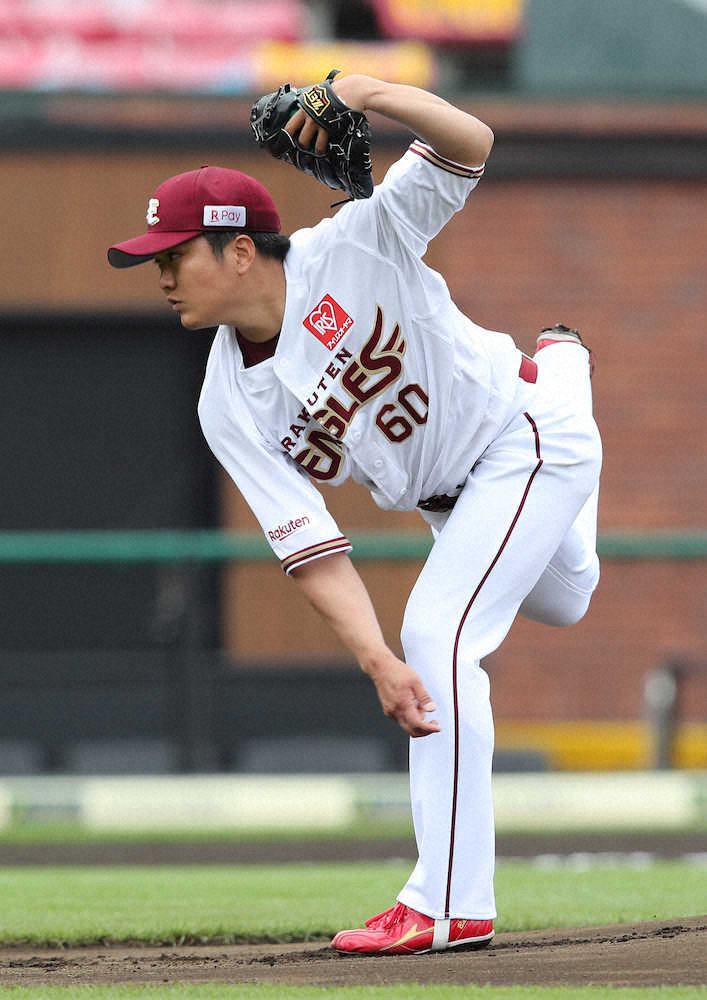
[395, 426]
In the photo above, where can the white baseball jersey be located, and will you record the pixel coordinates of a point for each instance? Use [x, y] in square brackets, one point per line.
[376, 375]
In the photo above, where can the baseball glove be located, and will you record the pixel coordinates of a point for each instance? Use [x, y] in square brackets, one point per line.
[346, 162]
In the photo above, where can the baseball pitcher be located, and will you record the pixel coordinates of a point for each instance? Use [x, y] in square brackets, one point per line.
[340, 353]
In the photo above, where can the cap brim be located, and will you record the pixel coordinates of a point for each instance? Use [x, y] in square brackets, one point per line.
[143, 248]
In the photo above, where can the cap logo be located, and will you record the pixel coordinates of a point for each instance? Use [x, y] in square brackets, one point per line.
[224, 215]
[315, 98]
[152, 216]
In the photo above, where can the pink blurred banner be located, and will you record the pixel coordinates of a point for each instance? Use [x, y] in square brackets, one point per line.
[225, 21]
[163, 45]
[183, 47]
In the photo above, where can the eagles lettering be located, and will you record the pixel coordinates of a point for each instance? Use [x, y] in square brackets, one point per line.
[323, 456]
[368, 375]
[378, 366]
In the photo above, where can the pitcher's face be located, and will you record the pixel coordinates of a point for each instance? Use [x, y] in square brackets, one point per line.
[198, 285]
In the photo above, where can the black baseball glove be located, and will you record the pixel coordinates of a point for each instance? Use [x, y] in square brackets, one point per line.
[346, 163]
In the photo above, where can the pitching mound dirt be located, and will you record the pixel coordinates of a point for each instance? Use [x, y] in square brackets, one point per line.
[658, 953]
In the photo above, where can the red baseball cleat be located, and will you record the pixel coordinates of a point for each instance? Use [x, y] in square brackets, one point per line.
[558, 333]
[403, 931]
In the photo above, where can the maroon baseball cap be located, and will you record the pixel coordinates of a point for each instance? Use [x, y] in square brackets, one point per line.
[197, 202]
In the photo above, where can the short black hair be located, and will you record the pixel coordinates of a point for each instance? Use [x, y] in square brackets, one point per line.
[268, 244]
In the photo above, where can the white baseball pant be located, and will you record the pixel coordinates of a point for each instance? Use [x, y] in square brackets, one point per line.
[521, 538]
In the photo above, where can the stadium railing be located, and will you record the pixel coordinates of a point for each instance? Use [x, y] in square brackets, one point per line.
[220, 546]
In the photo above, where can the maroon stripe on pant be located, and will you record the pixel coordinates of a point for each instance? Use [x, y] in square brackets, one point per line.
[457, 638]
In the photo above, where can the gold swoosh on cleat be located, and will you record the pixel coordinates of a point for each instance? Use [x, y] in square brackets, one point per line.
[408, 936]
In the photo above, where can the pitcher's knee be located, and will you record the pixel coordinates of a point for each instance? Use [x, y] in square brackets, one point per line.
[569, 611]
[569, 614]
[567, 608]
[418, 630]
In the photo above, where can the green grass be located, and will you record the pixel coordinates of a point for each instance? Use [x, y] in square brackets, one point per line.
[308, 902]
[367, 828]
[74, 833]
[402, 991]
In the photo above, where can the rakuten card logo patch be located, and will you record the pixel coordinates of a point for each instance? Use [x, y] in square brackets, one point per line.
[328, 322]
